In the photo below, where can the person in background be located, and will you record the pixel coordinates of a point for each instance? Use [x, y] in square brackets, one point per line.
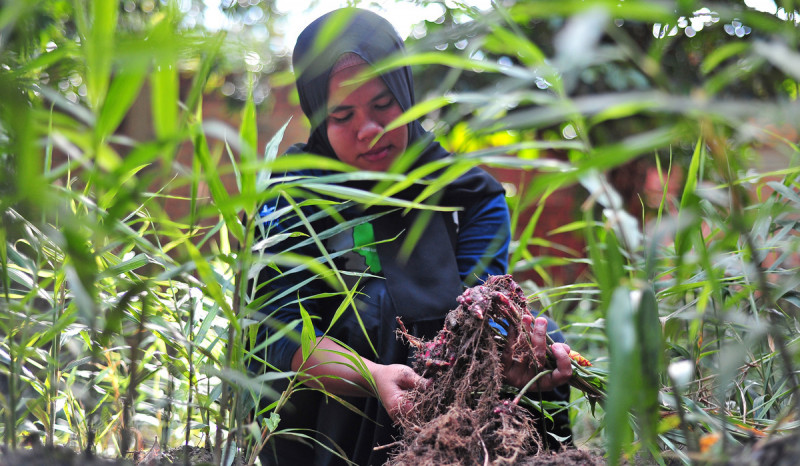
[349, 116]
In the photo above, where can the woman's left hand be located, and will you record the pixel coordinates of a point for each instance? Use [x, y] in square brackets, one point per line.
[519, 373]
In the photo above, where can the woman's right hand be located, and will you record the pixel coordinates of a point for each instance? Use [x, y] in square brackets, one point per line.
[392, 382]
[518, 373]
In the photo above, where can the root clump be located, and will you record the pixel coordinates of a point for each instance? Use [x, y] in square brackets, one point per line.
[464, 416]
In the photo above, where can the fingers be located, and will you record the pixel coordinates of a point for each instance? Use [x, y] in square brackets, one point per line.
[539, 340]
[563, 370]
[565, 347]
[518, 373]
[393, 382]
[406, 378]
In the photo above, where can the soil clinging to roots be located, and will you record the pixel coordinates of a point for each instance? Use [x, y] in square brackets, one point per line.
[463, 416]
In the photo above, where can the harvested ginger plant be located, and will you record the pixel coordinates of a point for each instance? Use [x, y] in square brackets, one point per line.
[463, 416]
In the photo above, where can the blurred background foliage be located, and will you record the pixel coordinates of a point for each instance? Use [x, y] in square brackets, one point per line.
[649, 150]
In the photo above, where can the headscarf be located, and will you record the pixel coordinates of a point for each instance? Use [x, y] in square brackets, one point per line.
[319, 47]
[423, 286]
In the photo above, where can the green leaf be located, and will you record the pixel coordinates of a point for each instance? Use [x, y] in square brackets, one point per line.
[234, 166]
[308, 336]
[205, 326]
[528, 52]
[445, 59]
[210, 52]
[723, 53]
[259, 385]
[4, 257]
[348, 303]
[291, 162]
[135, 262]
[651, 12]
[530, 227]
[651, 354]
[215, 185]
[164, 99]
[272, 421]
[689, 197]
[624, 379]
[164, 81]
[780, 56]
[123, 92]
[785, 192]
[211, 285]
[369, 198]
[249, 135]
[418, 111]
[99, 46]
[270, 154]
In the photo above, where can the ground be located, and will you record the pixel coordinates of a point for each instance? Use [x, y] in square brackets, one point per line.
[63, 456]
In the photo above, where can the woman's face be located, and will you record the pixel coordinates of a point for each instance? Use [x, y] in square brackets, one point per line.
[357, 114]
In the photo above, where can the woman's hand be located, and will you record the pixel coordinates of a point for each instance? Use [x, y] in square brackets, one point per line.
[328, 367]
[519, 373]
[393, 381]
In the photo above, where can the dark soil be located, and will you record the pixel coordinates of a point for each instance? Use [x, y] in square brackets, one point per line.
[63, 456]
[775, 451]
[465, 416]
[567, 457]
[190, 456]
[55, 456]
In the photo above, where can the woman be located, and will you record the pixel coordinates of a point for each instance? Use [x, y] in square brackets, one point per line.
[348, 116]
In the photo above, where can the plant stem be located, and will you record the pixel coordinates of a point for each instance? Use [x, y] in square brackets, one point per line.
[11, 426]
[234, 346]
[531, 382]
[136, 357]
[53, 373]
[690, 440]
[225, 401]
[190, 356]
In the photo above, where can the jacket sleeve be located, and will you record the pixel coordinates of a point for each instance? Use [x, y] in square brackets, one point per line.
[484, 235]
[280, 287]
